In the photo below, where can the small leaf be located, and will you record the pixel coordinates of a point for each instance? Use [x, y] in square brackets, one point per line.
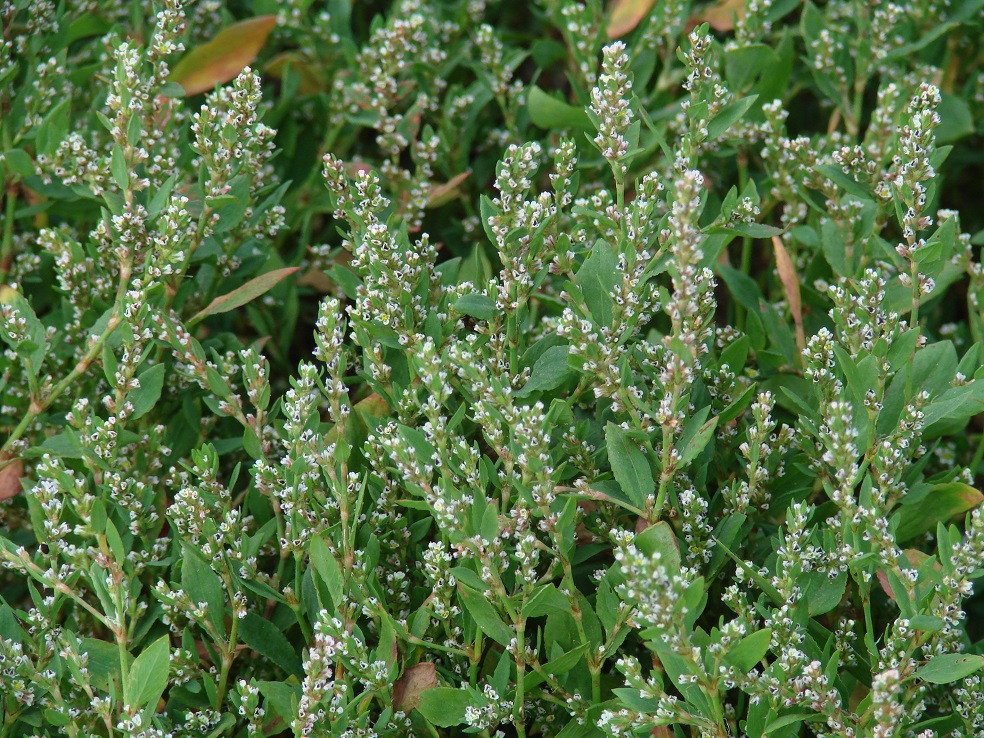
[629, 465]
[552, 114]
[148, 675]
[626, 15]
[410, 687]
[244, 294]
[950, 667]
[224, 57]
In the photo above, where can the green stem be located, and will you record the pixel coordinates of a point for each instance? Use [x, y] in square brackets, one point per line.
[7, 246]
[39, 405]
[228, 656]
[519, 721]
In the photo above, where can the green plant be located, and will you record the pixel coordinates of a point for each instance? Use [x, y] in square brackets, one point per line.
[633, 405]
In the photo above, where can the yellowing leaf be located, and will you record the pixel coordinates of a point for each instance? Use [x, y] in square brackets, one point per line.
[246, 293]
[626, 15]
[790, 283]
[225, 56]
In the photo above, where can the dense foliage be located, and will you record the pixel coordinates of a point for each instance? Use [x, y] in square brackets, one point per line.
[466, 367]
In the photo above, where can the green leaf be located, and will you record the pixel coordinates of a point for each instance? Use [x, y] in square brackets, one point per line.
[244, 294]
[728, 116]
[148, 393]
[103, 662]
[485, 616]
[224, 57]
[19, 162]
[659, 538]
[941, 504]
[33, 346]
[629, 465]
[950, 667]
[445, 706]
[822, 593]
[546, 600]
[327, 568]
[148, 675]
[267, 640]
[118, 167]
[481, 307]
[696, 436]
[549, 372]
[791, 719]
[750, 650]
[596, 279]
[552, 114]
[202, 584]
[282, 696]
[741, 286]
[744, 63]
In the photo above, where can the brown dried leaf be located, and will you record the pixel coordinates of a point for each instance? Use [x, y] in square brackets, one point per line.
[790, 283]
[413, 683]
[10, 479]
[221, 59]
[721, 15]
[626, 15]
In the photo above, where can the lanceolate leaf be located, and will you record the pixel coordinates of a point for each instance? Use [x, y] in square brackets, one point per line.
[629, 465]
[225, 56]
[247, 293]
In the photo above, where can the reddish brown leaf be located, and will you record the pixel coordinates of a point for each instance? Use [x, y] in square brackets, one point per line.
[626, 15]
[442, 193]
[225, 56]
[721, 15]
[791, 285]
[915, 558]
[414, 681]
[10, 479]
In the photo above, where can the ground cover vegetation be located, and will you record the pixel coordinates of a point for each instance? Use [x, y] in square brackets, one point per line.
[441, 368]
